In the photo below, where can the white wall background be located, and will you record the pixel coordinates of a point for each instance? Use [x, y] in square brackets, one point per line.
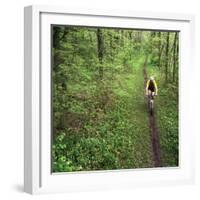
[11, 99]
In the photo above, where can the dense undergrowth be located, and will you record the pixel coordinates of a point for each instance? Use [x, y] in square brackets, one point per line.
[100, 119]
[166, 107]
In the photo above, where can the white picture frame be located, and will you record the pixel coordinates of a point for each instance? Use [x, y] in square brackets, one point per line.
[37, 131]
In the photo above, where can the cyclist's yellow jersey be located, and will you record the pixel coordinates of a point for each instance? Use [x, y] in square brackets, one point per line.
[149, 87]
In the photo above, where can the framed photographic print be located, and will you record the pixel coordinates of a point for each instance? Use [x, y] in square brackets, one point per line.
[107, 99]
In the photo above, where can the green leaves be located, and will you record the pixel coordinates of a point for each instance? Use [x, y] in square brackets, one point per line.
[100, 118]
[167, 120]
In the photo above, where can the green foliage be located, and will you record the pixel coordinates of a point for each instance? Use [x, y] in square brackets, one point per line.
[100, 120]
[167, 120]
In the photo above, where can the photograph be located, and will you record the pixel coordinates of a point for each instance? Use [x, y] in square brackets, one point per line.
[114, 98]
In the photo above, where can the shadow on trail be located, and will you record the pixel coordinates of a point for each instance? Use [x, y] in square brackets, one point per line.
[154, 131]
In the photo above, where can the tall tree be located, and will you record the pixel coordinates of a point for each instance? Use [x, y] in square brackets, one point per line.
[177, 51]
[59, 34]
[152, 35]
[110, 45]
[167, 56]
[159, 49]
[121, 37]
[56, 36]
[174, 56]
[100, 48]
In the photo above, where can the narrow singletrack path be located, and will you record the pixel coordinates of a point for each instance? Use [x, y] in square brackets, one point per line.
[152, 125]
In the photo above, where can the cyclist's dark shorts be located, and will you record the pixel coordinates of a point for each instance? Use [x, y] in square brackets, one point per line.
[151, 86]
[152, 89]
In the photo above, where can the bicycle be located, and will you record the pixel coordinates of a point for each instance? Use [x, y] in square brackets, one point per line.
[151, 96]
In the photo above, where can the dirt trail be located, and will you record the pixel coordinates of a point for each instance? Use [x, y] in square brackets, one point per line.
[154, 131]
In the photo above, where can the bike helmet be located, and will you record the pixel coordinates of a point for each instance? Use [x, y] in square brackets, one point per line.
[151, 78]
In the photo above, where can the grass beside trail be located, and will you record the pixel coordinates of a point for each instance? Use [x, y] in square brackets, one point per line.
[166, 107]
[114, 137]
[132, 99]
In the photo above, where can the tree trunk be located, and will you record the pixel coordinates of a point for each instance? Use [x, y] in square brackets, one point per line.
[174, 56]
[151, 39]
[121, 38]
[100, 47]
[159, 50]
[111, 46]
[167, 57]
[56, 37]
[152, 46]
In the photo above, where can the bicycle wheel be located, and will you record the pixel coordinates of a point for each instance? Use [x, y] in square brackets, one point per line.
[151, 107]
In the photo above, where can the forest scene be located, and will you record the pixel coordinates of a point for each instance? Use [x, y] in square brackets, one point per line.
[99, 108]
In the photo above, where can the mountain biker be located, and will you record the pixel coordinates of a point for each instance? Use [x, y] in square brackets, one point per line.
[151, 87]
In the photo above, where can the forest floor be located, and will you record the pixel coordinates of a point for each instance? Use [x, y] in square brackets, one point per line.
[122, 134]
